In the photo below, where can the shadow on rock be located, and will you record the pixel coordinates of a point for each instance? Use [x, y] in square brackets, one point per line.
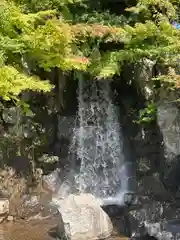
[21, 165]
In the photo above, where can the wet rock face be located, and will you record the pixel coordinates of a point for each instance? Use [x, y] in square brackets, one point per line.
[157, 151]
[155, 208]
[163, 232]
[151, 186]
[172, 177]
[52, 181]
[154, 214]
[11, 115]
[152, 219]
[169, 123]
[41, 132]
[21, 165]
[168, 116]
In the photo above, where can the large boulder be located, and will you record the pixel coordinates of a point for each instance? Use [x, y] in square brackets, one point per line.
[168, 118]
[169, 124]
[84, 219]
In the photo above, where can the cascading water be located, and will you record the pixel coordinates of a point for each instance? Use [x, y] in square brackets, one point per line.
[98, 144]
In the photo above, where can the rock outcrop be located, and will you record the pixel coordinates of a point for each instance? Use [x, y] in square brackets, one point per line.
[168, 116]
[84, 219]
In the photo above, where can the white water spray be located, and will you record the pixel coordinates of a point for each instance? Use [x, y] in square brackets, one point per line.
[99, 143]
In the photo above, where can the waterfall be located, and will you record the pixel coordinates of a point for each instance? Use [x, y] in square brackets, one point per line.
[98, 142]
[97, 145]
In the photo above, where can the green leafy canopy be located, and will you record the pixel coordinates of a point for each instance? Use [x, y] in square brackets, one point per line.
[32, 37]
[40, 32]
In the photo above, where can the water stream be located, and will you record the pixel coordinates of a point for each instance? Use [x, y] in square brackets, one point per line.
[97, 145]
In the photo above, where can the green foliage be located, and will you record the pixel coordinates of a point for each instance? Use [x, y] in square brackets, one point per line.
[47, 34]
[147, 115]
[171, 80]
[37, 37]
[13, 80]
[12, 83]
[154, 9]
[151, 36]
[36, 5]
[105, 18]
[25, 107]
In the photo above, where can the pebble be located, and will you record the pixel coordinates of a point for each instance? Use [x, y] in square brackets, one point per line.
[10, 218]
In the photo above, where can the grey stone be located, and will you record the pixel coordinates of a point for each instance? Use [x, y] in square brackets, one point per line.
[10, 218]
[156, 218]
[65, 125]
[153, 229]
[29, 130]
[151, 185]
[142, 75]
[4, 208]
[84, 219]
[52, 181]
[11, 115]
[168, 117]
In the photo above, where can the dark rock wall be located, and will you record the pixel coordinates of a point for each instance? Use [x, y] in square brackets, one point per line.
[144, 141]
[42, 135]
